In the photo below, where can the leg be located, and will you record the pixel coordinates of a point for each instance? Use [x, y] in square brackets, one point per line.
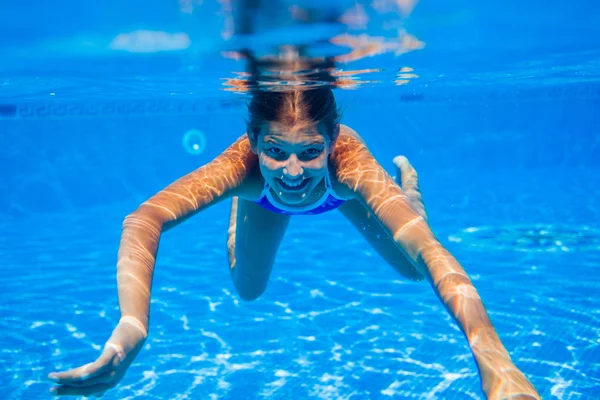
[372, 231]
[253, 238]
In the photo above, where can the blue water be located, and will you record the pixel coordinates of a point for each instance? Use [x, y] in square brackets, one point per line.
[500, 122]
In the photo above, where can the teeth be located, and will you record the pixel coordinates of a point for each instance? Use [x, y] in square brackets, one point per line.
[293, 184]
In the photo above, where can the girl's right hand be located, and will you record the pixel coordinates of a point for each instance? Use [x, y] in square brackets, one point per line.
[107, 371]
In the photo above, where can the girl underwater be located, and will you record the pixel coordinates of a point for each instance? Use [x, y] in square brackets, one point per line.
[296, 158]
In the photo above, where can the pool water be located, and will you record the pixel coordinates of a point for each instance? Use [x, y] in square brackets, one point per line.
[335, 322]
[506, 143]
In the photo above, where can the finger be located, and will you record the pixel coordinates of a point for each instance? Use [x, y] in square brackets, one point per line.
[79, 391]
[79, 374]
[105, 377]
[85, 371]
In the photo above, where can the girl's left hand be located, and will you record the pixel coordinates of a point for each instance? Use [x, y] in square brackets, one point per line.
[509, 383]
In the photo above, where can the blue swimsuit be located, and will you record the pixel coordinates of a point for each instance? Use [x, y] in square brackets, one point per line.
[329, 201]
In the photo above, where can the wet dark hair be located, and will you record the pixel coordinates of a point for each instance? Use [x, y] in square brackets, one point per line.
[290, 90]
[290, 107]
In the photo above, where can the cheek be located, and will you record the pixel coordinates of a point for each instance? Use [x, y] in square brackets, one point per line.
[317, 164]
[268, 164]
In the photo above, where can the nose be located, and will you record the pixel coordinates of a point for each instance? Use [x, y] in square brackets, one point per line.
[293, 167]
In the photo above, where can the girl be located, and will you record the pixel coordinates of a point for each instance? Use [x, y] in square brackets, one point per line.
[295, 159]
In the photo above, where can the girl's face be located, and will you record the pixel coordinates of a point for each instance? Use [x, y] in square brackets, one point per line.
[293, 159]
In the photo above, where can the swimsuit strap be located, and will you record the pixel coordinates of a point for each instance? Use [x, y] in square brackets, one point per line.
[329, 186]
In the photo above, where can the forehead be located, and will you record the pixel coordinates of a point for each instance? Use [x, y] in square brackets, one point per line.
[306, 132]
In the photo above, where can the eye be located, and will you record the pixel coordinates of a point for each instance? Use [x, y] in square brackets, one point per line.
[313, 152]
[275, 151]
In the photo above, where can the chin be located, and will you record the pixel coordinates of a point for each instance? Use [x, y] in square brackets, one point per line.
[292, 198]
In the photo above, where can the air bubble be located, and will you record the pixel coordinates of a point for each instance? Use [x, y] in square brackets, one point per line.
[194, 141]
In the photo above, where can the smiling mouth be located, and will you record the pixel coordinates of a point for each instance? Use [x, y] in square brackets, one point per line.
[290, 188]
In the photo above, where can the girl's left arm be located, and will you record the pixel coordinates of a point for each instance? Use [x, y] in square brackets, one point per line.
[358, 170]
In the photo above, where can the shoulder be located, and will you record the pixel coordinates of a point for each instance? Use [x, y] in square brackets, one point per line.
[347, 143]
[239, 149]
[346, 155]
[349, 134]
[236, 163]
[239, 155]
[347, 146]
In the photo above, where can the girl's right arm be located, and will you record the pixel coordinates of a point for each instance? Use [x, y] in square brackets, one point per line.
[182, 199]
[221, 178]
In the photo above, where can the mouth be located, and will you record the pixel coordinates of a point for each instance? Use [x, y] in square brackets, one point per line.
[293, 187]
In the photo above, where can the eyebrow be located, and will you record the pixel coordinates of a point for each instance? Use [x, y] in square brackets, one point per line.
[309, 142]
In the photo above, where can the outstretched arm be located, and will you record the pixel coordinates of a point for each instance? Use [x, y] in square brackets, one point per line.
[358, 170]
[217, 180]
[180, 200]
